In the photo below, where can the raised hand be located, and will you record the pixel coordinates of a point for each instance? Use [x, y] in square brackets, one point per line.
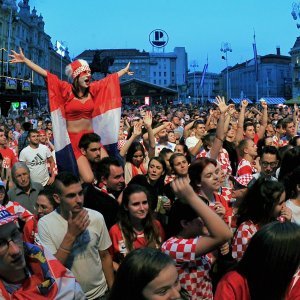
[220, 102]
[264, 104]
[182, 188]
[148, 119]
[296, 108]
[137, 129]
[79, 223]
[17, 57]
[126, 70]
[244, 103]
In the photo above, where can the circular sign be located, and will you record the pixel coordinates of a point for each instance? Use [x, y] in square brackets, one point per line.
[158, 38]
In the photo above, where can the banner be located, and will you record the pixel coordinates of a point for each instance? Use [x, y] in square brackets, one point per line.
[255, 61]
[203, 74]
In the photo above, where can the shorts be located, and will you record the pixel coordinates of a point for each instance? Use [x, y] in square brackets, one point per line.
[75, 138]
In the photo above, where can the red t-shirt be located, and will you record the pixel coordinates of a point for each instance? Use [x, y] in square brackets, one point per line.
[8, 158]
[233, 286]
[118, 248]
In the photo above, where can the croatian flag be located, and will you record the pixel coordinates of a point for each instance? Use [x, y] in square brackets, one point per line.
[106, 95]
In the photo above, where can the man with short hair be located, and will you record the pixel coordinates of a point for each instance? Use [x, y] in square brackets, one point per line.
[269, 160]
[102, 196]
[92, 149]
[289, 127]
[29, 271]
[78, 237]
[194, 143]
[25, 191]
[23, 138]
[37, 156]
[248, 151]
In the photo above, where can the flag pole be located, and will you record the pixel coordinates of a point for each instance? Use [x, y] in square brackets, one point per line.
[256, 65]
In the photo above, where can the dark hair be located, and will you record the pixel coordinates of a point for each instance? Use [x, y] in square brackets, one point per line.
[196, 168]
[290, 161]
[247, 124]
[293, 140]
[134, 147]
[138, 269]
[286, 121]
[151, 232]
[87, 139]
[274, 249]
[185, 151]
[161, 161]
[64, 179]
[5, 199]
[291, 182]
[270, 150]
[173, 157]
[48, 192]
[242, 145]
[259, 202]
[163, 153]
[75, 89]
[32, 131]
[27, 126]
[102, 169]
[208, 139]
[178, 212]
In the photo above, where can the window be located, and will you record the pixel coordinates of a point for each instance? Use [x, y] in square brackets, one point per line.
[159, 73]
[165, 74]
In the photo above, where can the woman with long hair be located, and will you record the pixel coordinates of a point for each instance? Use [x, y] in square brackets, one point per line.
[77, 107]
[269, 268]
[137, 159]
[204, 176]
[153, 181]
[146, 274]
[263, 203]
[136, 227]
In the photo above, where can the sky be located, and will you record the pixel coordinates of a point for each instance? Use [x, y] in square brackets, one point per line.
[201, 26]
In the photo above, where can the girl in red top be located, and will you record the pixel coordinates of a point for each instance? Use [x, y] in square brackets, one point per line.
[77, 101]
[136, 227]
[269, 268]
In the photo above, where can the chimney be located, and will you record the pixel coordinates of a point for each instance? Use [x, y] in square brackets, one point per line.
[277, 50]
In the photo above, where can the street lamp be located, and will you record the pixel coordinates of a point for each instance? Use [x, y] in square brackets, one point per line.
[195, 65]
[296, 12]
[226, 47]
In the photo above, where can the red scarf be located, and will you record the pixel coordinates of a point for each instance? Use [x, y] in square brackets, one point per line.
[135, 170]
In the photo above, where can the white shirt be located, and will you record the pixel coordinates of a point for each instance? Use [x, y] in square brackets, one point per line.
[191, 142]
[295, 211]
[36, 161]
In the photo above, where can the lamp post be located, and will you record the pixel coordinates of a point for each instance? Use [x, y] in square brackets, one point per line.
[195, 65]
[226, 47]
[296, 12]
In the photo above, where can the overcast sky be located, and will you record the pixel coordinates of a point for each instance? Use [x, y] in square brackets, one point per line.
[199, 26]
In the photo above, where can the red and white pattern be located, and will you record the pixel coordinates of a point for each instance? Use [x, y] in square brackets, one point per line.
[244, 179]
[193, 271]
[17, 209]
[245, 167]
[223, 159]
[169, 178]
[242, 238]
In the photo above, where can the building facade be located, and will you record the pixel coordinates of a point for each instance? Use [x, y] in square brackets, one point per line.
[295, 60]
[272, 79]
[22, 27]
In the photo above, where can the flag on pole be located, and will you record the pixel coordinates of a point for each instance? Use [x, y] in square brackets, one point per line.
[255, 59]
[203, 74]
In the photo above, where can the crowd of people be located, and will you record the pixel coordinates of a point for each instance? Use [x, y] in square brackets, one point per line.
[197, 203]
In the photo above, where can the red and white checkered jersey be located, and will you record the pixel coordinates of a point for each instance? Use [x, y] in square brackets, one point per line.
[17, 209]
[223, 159]
[193, 271]
[242, 238]
[245, 167]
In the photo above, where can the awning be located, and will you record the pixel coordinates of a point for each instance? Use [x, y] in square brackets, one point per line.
[293, 101]
[238, 100]
[273, 101]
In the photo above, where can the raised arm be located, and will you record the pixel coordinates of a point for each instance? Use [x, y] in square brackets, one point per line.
[148, 125]
[264, 120]
[240, 129]
[218, 142]
[137, 131]
[295, 117]
[219, 232]
[125, 71]
[187, 129]
[20, 58]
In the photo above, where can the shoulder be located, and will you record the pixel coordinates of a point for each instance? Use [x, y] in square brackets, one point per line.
[50, 219]
[95, 215]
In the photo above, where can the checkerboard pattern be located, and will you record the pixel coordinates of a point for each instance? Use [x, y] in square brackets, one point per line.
[193, 271]
[242, 238]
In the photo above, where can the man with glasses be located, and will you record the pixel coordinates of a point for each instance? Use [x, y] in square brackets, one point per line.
[29, 272]
[269, 162]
